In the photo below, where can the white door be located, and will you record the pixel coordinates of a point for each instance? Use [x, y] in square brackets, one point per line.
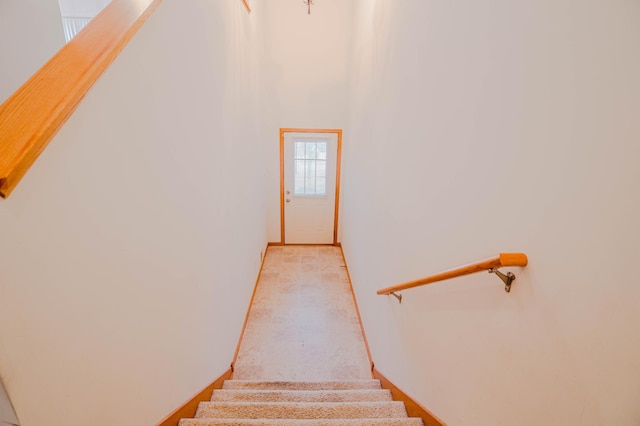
[309, 187]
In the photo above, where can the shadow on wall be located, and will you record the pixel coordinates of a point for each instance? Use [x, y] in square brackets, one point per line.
[7, 413]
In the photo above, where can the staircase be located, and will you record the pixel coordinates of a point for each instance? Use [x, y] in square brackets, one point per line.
[348, 402]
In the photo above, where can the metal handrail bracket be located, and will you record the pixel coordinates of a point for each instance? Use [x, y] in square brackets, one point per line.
[508, 278]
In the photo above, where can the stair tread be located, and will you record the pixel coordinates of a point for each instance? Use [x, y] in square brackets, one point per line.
[401, 421]
[302, 385]
[353, 395]
[302, 410]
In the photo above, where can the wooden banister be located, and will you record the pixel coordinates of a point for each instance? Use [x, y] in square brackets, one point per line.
[36, 111]
[503, 259]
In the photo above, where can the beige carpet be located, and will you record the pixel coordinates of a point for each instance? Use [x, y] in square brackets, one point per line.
[302, 359]
[303, 323]
[352, 402]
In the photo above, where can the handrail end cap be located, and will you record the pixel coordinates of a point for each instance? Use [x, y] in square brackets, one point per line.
[513, 259]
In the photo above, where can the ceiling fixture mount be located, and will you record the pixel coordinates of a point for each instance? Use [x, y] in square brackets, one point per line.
[309, 3]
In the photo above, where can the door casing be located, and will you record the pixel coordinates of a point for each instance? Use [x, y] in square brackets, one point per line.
[338, 132]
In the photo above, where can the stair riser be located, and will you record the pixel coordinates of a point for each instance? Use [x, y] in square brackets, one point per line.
[372, 395]
[352, 410]
[297, 422]
[276, 385]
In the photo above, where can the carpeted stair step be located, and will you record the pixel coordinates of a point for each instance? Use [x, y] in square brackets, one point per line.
[361, 395]
[290, 403]
[294, 385]
[301, 410]
[299, 422]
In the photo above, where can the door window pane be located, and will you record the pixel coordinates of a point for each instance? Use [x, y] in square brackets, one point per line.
[311, 150]
[310, 168]
[322, 151]
[299, 172]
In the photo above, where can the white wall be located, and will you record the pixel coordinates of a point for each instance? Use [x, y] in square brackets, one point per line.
[480, 127]
[30, 33]
[130, 250]
[305, 68]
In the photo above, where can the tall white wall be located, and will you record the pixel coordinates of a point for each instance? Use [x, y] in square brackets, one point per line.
[130, 250]
[480, 127]
[30, 33]
[305, 68]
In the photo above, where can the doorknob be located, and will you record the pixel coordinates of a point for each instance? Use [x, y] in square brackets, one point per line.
[288, 192]
[288, 200]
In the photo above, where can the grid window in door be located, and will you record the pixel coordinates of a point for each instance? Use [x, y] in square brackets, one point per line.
[310, 168]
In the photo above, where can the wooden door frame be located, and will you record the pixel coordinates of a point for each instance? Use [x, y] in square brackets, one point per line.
[338, 132]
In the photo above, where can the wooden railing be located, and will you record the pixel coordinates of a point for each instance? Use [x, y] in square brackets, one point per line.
[36, 111]
[491, 264]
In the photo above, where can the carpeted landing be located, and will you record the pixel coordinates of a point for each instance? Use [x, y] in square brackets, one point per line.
[347, 402]
[302, 359]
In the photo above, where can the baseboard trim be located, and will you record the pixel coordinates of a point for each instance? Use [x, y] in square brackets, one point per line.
[355, 302]
[414, 409]
[188, 409]
[246, 318]
[277, 244]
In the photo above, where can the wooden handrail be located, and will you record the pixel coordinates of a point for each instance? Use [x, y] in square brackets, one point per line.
[31, 117]
[503, 259]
